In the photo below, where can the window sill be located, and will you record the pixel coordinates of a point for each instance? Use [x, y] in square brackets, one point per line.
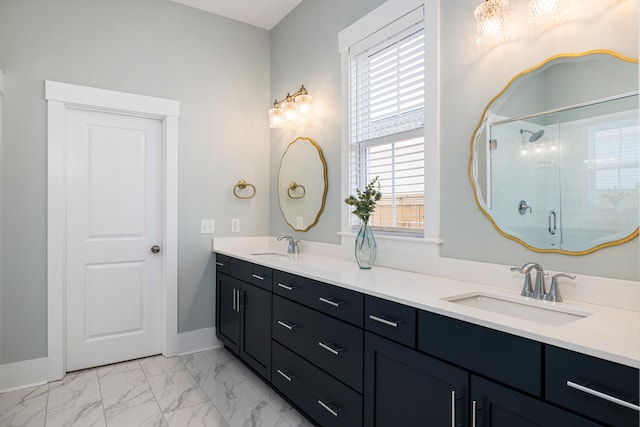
[381, 236]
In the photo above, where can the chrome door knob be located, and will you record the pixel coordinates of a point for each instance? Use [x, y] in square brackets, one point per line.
[155, 249]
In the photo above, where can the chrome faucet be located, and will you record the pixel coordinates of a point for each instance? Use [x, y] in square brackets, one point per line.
[539, 290]
[293, 244]
[554, 292]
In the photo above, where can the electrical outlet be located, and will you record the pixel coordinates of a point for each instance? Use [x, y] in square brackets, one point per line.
[207, 226]
[299, 223]
[235, 225]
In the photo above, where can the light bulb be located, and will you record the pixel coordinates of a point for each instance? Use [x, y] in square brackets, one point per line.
[290, 110]
[304, 104]
[491, 17]
[546, 12]
[276, 118]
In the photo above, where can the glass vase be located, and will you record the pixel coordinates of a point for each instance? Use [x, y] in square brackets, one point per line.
[366, 247]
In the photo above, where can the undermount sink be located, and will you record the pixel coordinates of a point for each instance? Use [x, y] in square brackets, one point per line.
[272, 255]
[533, 310]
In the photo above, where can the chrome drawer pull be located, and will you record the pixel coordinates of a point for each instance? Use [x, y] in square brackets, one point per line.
[331, 301]
[474, 413]
[286, 377]
[219, 264]
[384, 321]
[325, 405]
[603, 396]
[255, 276]
[287, 325]
[287, 287]
[327, 347]
[453, 408]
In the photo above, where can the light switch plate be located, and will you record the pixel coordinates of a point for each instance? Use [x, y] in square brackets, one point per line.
[299, 223]
[235, 225]
[207, 226]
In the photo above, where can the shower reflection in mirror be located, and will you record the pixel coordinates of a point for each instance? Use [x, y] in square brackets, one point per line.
[579, 164]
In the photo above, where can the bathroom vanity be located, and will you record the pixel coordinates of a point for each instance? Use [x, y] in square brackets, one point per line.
[393, 348]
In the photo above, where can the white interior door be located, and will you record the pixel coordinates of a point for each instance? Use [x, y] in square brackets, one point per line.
[114, 279]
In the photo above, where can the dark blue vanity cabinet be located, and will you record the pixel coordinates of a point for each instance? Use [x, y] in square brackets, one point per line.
[348, 359]
[495, 405]
[404, 387]
[318, 348]
[243, 311]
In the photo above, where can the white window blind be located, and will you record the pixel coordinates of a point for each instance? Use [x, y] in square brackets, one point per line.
[387, 95]
[615, 156]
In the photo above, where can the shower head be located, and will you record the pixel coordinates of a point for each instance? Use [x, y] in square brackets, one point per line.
[534, 135]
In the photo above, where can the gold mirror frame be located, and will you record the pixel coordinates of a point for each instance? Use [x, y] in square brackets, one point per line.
[308, 192]
[474, 136]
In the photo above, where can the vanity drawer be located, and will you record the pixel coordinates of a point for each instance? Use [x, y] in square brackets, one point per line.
[391, 320]
[344, 304]
[506, 358]
[262, 277]
[327, 401]
[330, 344]
[573, 378]
[251, 273]
[223, 263]
[241, 270]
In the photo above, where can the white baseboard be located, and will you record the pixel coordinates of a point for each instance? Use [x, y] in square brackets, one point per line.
[198, 340]
[30, 373]
[27, 373]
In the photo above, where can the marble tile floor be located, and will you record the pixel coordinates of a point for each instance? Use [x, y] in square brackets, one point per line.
[210, 388]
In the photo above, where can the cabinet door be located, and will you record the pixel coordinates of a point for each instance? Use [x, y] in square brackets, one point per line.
[255, 308]
[498, 406]
[227, 311]
[406, 388]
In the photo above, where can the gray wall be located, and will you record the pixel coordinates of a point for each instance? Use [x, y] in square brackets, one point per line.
[470, 78]
[217, 68]
[304, 50]
[220, 71]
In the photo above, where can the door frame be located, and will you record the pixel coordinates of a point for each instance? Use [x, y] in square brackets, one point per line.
[60, 98]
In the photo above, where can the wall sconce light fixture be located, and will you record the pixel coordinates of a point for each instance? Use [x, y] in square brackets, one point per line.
[546, 12]
[290, 108]
[491, 17]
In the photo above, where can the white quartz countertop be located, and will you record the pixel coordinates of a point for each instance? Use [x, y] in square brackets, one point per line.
[607, 333]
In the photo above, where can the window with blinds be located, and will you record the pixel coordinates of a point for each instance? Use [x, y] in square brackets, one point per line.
[615, 156]
[387, 96]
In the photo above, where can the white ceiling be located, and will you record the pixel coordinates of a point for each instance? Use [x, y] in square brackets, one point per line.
[261, 13]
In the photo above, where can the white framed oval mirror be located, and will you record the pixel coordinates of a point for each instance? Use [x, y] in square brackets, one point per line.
[302, 184]
[554, 160]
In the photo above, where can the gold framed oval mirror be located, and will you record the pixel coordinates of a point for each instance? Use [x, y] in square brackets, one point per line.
[554, 160]
[302, 184]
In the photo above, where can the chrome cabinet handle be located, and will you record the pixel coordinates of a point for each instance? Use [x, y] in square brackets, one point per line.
[234, 299]
[325, 405]
[384, 321]
[328, 347]
[474, 411]
[287, 324]
[330, 301]
[240, 294]
[552, 215]
[453, 408]
[287, 287]
[255, 276]
[219, 264]
[604, 396]
[286, 375]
